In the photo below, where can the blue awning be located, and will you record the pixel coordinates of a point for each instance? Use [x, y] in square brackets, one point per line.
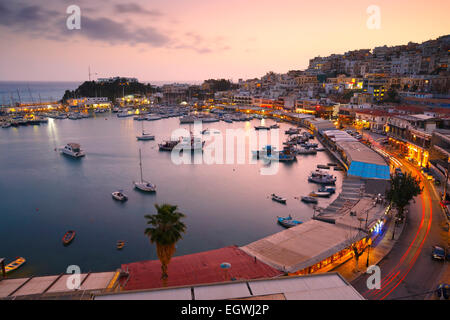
[369, 170]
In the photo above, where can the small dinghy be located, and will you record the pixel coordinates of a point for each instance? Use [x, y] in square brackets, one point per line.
[278, 199]
[329, 189]
[16, 264]
[288, 222]
[68, 237]
[120, 244]
[309, 199]
[119, 196]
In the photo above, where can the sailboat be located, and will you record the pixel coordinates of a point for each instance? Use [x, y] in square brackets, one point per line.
[145, 136]
[144, 185]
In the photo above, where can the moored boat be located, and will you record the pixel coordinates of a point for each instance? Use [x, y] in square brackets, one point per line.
[320, 194]
[119, 196]
[143, 185]
[167, 145]
[288, 222]
[262, 128]
[120, 244]
[308, 199]
[292, 131]
[16, 264]
[68, 237]
[278, 198]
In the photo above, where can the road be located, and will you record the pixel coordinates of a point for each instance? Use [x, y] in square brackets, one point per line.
[408, 272]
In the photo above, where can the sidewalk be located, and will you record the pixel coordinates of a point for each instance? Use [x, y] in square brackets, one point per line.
[379, 249]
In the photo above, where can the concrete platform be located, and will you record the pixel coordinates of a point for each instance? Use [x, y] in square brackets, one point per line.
[9, 285]
[36, 286]
[97, 281]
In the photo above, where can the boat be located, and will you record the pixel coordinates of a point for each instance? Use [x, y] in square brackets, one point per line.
[124, 114]
[338, 169]
[16, 264]
[292, 131]
[266, 150]
[322, 166]
[275, 126]
[6, 125]
[143, 185]
[305, 151]
[68, 237]
[320, 149]
[73, 150]
[119, 196]
[191, 143]
[288, 222]
[262, 128]
[145, 136]
[329, 189]
[332, 164]
[308, 199]
[321, 177]
[278, 199]
[152, 117]
[120, 244]
[168, 145]
[319, 194]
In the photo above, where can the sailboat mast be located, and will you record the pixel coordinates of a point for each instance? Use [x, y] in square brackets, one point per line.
[140, 164]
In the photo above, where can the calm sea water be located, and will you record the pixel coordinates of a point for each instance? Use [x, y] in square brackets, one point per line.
[44, 194]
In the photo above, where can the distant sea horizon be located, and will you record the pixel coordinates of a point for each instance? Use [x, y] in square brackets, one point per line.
[12, 92]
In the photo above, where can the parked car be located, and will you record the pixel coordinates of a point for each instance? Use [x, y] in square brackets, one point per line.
[438, 253]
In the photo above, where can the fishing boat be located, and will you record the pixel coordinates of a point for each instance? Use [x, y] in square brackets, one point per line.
[6, 125]
[278, 198]
[262, 128]
[168, 145]
[143, 185]
[16, 264]
[124, 114]
[73, 150]
[68, 237]
[275, 126]
[288, 222]
[308, 199]
[119, 196]
[322, 166]
[332, 164]
[145, 136]
[120, 244]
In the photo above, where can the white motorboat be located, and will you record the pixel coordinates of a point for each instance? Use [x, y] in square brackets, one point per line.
[321, 177]
[73, 150]
[143, 185]
[119, 196]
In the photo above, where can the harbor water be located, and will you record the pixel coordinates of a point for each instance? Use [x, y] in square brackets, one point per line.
[45, 193]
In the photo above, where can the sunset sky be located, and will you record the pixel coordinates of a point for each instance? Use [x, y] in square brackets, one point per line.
[186, 40]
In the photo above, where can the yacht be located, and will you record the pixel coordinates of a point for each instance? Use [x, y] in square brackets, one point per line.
[145, 136]
[152, 117]
[73, 150]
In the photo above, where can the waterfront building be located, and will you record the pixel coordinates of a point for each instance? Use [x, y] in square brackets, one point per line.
[89, 102]
[411, 136]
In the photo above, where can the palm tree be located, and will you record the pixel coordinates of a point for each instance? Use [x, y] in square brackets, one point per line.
[165, 231]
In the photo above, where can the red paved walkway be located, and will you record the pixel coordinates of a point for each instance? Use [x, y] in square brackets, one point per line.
[203, 267]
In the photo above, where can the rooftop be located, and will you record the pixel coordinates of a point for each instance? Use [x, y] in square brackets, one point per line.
[197, 268]
[327, 286]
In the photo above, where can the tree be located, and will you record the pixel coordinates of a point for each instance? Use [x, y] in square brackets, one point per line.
[404, 187]
[165, 231]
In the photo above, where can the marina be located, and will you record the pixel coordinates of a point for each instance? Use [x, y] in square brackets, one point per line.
[111, 161]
